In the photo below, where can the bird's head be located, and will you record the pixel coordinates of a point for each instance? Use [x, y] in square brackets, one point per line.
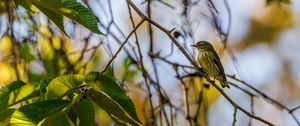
[203, 45]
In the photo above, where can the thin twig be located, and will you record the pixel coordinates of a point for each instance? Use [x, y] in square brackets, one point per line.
[120, 48]
[234, 116]
[143, 68]
[195, 64]
[186, 97]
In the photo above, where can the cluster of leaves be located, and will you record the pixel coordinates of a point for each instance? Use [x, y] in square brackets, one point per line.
[65, 100]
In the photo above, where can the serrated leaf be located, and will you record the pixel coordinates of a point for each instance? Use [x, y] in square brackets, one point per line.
[5, 116]
[110, 107]
[84, 16]
[62, 85]
[71, 9]
[7, 90]
[32, 114]
[85, 112]
[109, 87]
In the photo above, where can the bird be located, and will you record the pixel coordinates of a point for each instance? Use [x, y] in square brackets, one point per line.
[210, 62]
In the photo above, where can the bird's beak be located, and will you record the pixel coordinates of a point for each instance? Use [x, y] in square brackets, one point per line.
[193, 45]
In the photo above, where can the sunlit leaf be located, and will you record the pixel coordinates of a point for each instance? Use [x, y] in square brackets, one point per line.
[34, 113]
[62, 85]
[24, 93]
[19, 92]
[7, 90]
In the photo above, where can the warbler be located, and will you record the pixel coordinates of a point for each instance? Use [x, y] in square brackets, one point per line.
[210, 62]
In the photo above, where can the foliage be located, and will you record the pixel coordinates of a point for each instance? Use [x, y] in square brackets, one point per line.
[62, 95]
[66, 92]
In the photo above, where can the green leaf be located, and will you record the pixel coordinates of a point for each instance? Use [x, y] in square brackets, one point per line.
[109, 87]
[83, 15]
[58, 119]
[110, 107]
[7, 90]
[69, 8]
[17, 92]
[5, 116]
[62, 85]
[24, 93]
[85, 112]
[33, 113]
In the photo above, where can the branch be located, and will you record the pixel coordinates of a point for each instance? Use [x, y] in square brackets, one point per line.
[120, 48]
[168, 33]
[269, 99]
[234, 117]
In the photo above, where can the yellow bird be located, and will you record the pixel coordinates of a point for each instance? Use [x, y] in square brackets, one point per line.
[210, 62]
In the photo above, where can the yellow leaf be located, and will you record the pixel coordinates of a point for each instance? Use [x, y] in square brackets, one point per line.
[5, 45]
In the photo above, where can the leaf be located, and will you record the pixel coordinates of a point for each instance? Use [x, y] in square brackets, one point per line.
[84, 16]
[69, 8]
[5, 92]
[17, 92]
[110, 107]
[5, 116]
[24, 93]
[109, 87]
[33, 113]
[62, 85]
[58, 119]
[85, 112]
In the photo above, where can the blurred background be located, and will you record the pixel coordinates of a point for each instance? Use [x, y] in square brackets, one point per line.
[262, 49]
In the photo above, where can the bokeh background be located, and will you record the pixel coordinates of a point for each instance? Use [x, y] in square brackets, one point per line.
[263, 48]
